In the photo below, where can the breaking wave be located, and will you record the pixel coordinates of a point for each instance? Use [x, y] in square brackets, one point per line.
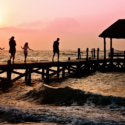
[67, 96]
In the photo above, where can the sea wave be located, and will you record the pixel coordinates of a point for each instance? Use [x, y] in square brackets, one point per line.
[67, 96]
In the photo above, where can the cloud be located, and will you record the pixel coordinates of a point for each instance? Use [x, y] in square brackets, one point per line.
[58, 25]
[31, 24]
[17, 29]
[62, 24]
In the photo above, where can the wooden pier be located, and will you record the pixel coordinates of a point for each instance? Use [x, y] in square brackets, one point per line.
[55, 69]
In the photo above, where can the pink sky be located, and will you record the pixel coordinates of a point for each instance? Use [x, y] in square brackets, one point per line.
[77, 23]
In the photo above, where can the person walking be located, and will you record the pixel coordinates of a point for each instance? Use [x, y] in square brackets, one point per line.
[12, 50]
[56, 48]
[26, 47]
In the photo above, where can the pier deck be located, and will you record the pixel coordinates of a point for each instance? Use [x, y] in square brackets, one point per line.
[47, 69]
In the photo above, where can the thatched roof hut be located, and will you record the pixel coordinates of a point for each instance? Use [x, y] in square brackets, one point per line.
[116, 30]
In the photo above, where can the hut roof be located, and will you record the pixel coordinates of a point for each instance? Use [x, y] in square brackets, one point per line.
[116, 30]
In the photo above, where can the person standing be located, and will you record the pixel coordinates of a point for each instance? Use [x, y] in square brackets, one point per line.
[12, 50]
[26, 47]
[56, 48]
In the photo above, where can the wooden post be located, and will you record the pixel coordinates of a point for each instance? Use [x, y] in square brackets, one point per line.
[78, 68]
[9, 71]
[43, 70]
[79, 56]
[124, 59]
[26, 75]
[94, 52]
[47, 74]
[69, 69]
[63, 72]
[87, 53]
[29, 76]
[9, 62]
[97, 53]
[58, 71]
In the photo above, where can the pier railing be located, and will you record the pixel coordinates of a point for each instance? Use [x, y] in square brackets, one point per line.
[99, 54]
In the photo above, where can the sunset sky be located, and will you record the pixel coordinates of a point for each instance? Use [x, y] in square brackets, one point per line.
[77, 23]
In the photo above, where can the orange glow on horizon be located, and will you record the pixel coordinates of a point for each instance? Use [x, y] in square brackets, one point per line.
[76, 23]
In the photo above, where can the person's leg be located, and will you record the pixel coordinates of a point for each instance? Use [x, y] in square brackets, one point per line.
[53, 56]
[13, 55]
[25, 54]
[58, 56]
[25, 57]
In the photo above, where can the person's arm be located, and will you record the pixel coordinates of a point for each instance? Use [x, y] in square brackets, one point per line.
[2, 48]
[30, 49]
[22, 47]
[15, 43]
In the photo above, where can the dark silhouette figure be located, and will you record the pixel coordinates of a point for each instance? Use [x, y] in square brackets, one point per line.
[26, 47]
[56, 48]
[12, 51]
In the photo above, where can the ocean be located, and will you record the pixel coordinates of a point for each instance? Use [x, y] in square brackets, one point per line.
[94, 99]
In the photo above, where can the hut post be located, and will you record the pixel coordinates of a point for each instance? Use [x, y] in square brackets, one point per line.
[104, 48]
[97, 53]
[112, 51]
[9, 71]
[111, 62]
[110, 45]
[87, 53]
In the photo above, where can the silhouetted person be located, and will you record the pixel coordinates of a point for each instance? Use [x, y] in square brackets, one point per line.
[12, 51]
[56, 48]
[26, 47]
